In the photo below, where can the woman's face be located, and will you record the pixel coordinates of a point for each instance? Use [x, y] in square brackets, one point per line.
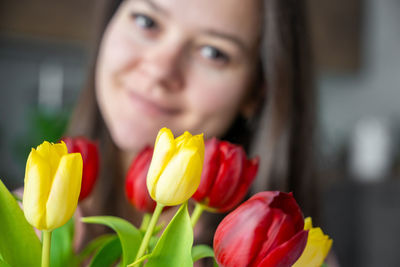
[181, 64]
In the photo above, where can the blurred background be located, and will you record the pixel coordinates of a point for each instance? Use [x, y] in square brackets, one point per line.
[44, 58]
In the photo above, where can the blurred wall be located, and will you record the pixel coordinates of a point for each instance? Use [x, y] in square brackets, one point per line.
[360, 210]
[374, 90]
[44, 56]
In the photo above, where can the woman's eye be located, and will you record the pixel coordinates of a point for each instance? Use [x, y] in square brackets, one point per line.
[144, 21]
[213, 53]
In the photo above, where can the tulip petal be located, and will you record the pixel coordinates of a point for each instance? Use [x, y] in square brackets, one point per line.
[262, 231]
[240, 235]
[60, 148]
[317, 248]
[287, 253]
[228, 177]
[52, 153]
[248, 176]
[181, 177]
[181, 140]
[36, 190]
[210, 169]
[136, 182]
[163, 151]
[64, 194]
[90, 157]
[196, 141]
[307, 223]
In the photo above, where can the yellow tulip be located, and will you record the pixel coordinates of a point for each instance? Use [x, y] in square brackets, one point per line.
[52, 185]
[175, 168]
[317, 248]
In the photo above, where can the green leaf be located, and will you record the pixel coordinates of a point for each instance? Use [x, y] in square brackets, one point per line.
[93, 246]
[152, 243]
[129, 236]
[4, 264]
[19, 244]
[108, 254]
[62, 253]
[202, 251]
[175, 245]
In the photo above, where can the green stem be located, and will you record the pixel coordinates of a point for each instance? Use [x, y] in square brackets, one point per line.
[198, 210]
[46, 242]
[145, 222]
[149, 231]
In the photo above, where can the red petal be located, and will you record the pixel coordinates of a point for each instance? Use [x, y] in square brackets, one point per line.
[286, 254]
[136, 188]
[228, 178]
[245, 182]
[90, 158]
[257, 229]
[241, 234]
[210, 169]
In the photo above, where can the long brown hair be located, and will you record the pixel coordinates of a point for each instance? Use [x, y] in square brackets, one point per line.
[281, 131]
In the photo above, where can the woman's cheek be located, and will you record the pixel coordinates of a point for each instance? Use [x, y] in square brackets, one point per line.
[224, 97]
[119, 51]
[213, 110]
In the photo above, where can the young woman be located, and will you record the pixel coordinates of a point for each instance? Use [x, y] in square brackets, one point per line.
[235, 69]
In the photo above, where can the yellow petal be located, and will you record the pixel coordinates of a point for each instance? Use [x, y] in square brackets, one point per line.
[317, 248]
[36, 189]
[181, 177]
[60, 148]
[307, 223]
[182, 139]
[65, 191]
[197, 141]
[51, 153]
[164, 149]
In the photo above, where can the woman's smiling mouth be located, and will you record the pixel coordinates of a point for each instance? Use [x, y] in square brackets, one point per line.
[149, 106]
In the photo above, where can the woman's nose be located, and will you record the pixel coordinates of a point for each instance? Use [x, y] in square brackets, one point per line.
[162, 65]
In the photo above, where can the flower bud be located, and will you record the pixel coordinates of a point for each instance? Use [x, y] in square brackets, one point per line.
[90, 156]
[227, 176]
[317, 248]
[135, 186]
[266, 230]
[52, 185]
[176, 166]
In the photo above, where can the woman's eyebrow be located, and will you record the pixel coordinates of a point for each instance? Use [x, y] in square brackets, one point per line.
[154, 6]
[229, 37]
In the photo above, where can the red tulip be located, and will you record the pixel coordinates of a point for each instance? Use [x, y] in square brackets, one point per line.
[266, 230]
[226, 177]
[90, 156]
[135, 186]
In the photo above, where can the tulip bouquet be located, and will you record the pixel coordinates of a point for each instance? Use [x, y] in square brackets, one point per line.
[266, 230]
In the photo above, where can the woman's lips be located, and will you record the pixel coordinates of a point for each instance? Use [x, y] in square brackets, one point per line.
[151, 107]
